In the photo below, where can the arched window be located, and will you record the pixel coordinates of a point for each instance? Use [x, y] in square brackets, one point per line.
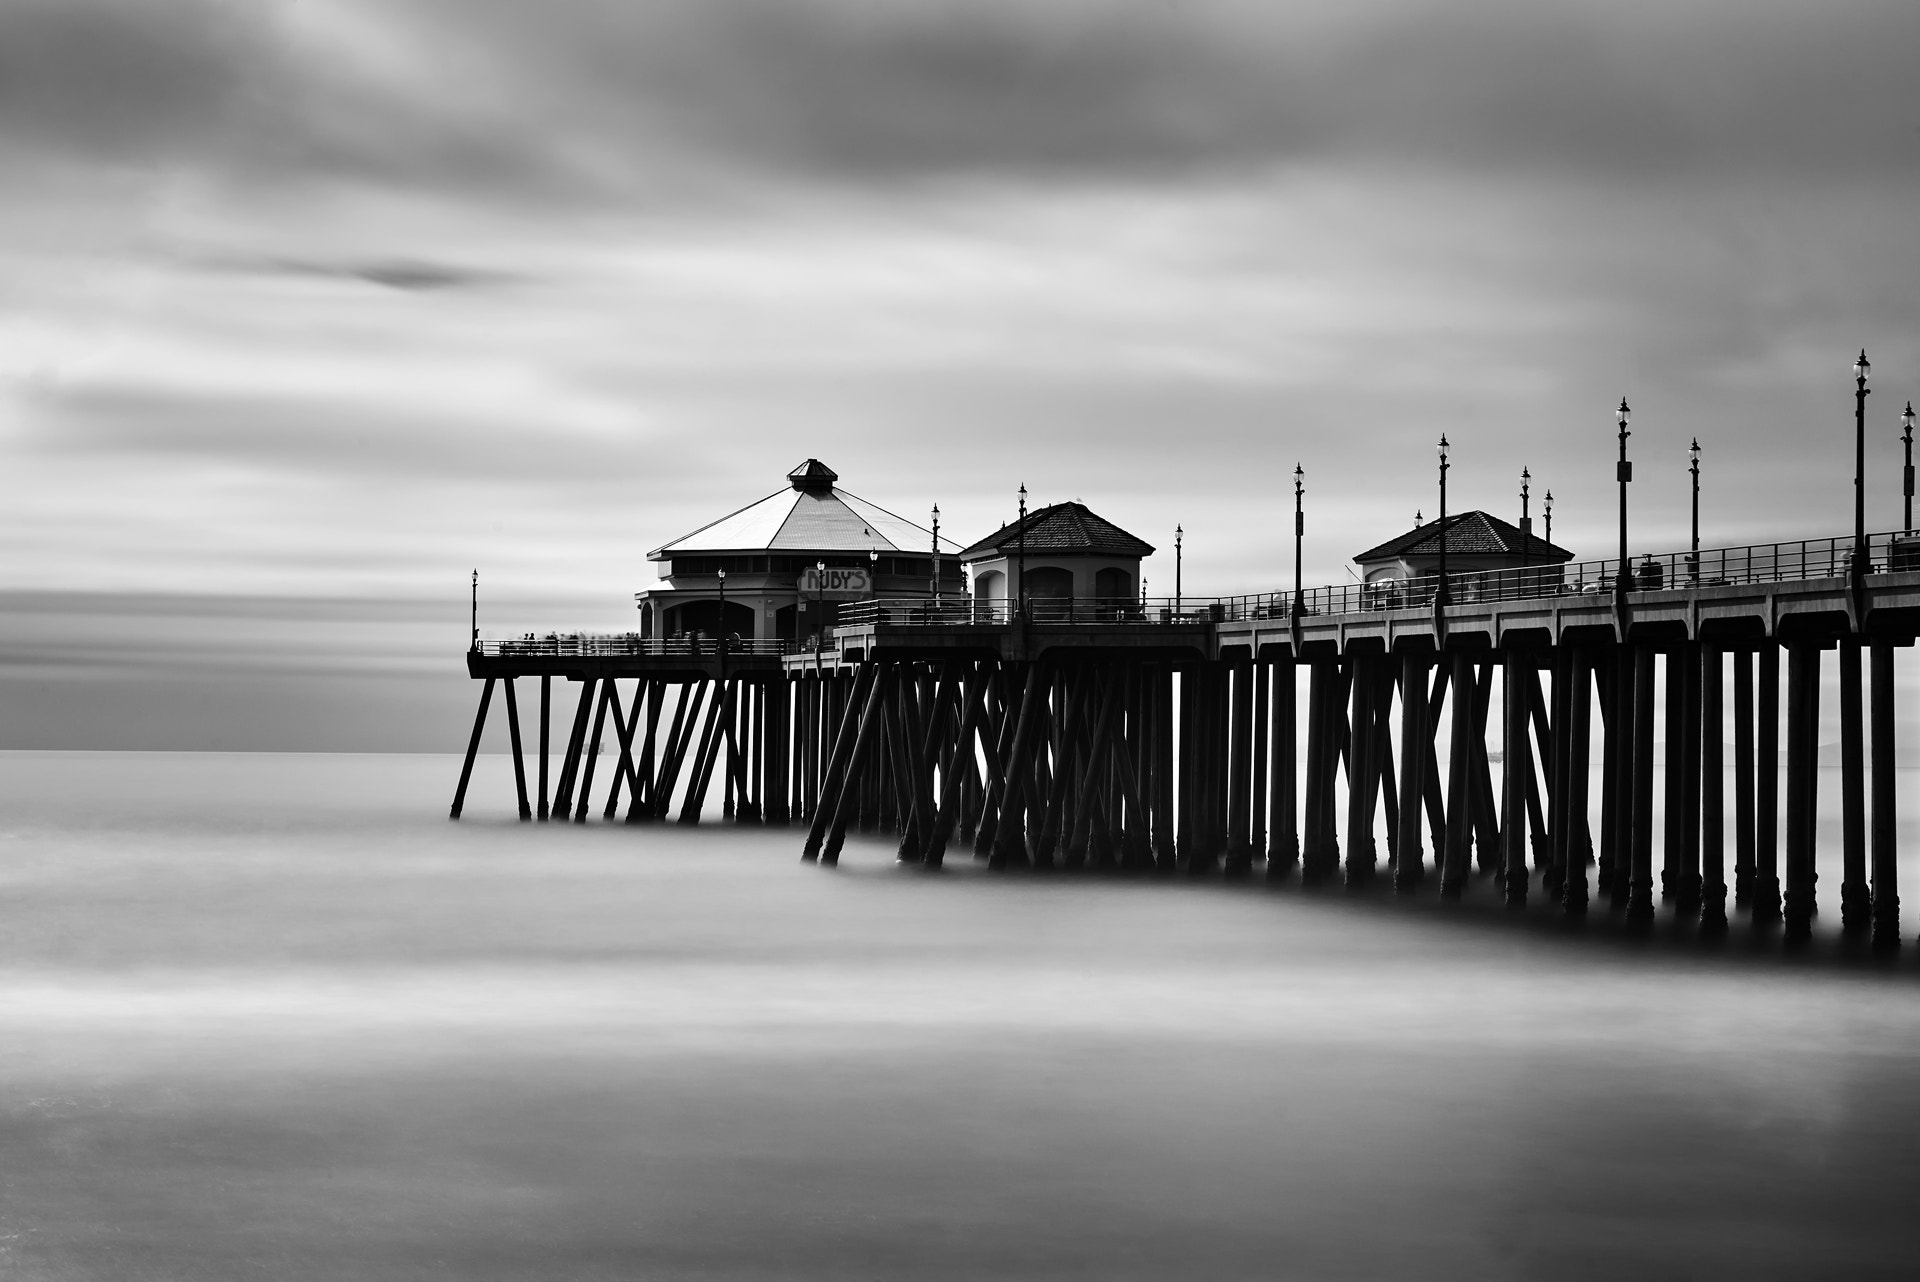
[1113, 584]
[1049, 581]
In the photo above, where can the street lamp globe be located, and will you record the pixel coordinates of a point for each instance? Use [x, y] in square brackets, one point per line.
[1623, 415]
[1862, 367]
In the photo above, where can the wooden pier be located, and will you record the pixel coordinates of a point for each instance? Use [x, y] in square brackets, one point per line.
[1167, 736]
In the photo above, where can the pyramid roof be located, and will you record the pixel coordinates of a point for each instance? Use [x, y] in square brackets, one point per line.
[1467, 534]
[820, 517]
[1063, 527]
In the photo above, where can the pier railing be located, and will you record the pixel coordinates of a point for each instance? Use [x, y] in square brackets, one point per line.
[1757, 563]
[601, 645]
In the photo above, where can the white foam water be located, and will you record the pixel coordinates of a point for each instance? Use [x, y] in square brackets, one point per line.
[273, 1016]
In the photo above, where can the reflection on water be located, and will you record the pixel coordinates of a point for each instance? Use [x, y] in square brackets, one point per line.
[270, 1016]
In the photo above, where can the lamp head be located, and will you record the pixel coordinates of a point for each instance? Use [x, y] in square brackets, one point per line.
[873, 556]
[1178, 534]
[1693, 452]
[1906, 421]
[1526, 481]
[1443, 447]
[1547, 502]
[723, 575]
[1299, 478]
[1862, 367]
[1623, 415]
[820, 566]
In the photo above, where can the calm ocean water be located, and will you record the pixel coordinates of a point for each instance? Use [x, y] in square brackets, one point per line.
[272, 1016]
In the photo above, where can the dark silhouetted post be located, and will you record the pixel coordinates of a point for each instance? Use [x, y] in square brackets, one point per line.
[1856, 909]
[1906, 474]
[1022, 598]
[1546, 510]
[1886, 865]
[1623, 473]
[1179, 540]
[1299, 532]
[1693, 466]
[1440, 590]
[1861, 368]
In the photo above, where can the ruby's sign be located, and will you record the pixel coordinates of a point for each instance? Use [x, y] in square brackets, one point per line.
[840, 583]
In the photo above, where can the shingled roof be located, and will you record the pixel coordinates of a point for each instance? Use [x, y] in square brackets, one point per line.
[1467, 534]
[812, 515]
[1063, 527]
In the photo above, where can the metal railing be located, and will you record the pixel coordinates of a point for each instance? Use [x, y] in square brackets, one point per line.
[1801, 560]
[1091, 611]
[597, 645]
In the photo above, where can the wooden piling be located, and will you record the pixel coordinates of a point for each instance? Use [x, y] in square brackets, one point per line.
[1886, 861]
[1713, 801]
[1640, 871]
[1803, 726]
[1575, 843]
[1856, 900]
[473, 749]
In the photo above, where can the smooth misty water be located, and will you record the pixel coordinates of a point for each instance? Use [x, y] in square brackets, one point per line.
[275, 1017]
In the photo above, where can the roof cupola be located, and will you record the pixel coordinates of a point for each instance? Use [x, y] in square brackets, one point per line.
[813, 477]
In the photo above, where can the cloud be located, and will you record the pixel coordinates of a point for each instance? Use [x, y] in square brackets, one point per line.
[406, 274]
[665, 101]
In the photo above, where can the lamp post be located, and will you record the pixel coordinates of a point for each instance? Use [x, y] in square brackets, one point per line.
[474, 619]
[1693, 466]
[934, 578]
[1299, 531]
[819, 610]
[1546, 510]
[720, 629]
[1021, 599]
[1861, 368]
[1440, 592]
[1623, 473]
[1906, 438]
[1526, 522]
[1179, 537]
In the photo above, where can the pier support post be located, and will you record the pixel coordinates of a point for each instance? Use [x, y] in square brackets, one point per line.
[546, 696]
[1687, 891]
[1409, 865]
[1516, 763]
[473, 749]
[1573, 888]
[1313, 853]
[1455, 865]
[593, 750]
[519, 763]
[1743, 777]
[1674, 776]
[1766, 796]
[1363, 772]
[1283, 825]
[1803, 724]
[1258, 838]
[1886, 863]
[1640, 872]
[1856, 901]
[1239, 767]
[1613, 680]
[1553, 751]
[1713, 800]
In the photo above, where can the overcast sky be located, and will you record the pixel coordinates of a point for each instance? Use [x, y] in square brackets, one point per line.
[344, 297]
